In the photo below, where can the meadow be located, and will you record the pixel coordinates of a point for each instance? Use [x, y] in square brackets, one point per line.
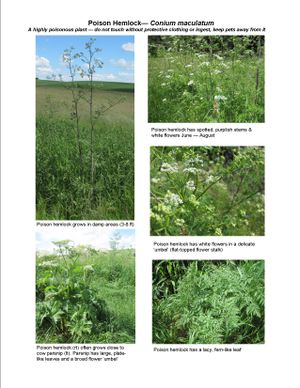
[84, 173]
[85, 296]
[207, 191]
[208, 302]
[206, 79]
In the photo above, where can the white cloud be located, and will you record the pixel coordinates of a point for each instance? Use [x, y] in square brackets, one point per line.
[121, 62]
[127, 242]
[105, 77]
[98, 238]
[128, 46]
[43, 67]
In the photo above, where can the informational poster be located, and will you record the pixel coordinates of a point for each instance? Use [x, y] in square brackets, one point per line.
[150, 194]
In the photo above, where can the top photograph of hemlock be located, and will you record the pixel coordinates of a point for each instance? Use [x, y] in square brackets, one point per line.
[206, 79]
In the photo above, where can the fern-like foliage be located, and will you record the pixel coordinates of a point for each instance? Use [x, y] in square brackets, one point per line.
[215, 302]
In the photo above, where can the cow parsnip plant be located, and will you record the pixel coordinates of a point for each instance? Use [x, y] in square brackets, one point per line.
[80, 295]
[206, 79]
[210, 302]
[207, 191]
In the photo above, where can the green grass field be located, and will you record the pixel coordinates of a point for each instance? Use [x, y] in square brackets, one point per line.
[64, 188]
[85, 296]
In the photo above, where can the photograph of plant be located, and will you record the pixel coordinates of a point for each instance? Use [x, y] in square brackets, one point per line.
[207, 191]
[85, 294]
[208, 302]
[206, 79]
[84, 128]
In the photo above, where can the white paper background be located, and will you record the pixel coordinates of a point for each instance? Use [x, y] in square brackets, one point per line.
[272, 364]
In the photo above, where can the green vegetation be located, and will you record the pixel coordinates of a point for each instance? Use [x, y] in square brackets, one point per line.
[85, 296]
[84, 145]
[98, 85]
[206, 79]
[208, 302]
[207, 191]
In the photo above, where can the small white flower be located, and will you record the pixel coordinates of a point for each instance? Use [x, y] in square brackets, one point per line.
[164, 100]
[225, 65]
[220, 97]
[155, 180]
[218, 57]
[186, 66]
[205, 64]
[209, 179]
[217, 71]
[192, 170]
[179, 222]
[167, 167]
[191, 82]
[197, 159]
[48, 264]
[190, 185]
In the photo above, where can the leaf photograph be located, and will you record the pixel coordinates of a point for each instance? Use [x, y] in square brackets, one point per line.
[207, 191]
[208, 302]
[84, 127]
[206, 79]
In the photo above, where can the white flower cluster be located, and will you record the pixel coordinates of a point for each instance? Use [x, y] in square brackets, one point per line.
[172, 199]
[192, 170]
[209, 179]
[220, 97]
[224, 65]
[48, 264]
[167, 167]
[179, 222]
[155, 180]
[218, 57]
[190, 185]
[196, 160]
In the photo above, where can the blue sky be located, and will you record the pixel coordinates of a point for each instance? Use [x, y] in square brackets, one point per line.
[98, 238]
[117, 53]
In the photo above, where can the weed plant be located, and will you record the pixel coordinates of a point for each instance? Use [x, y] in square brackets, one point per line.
[206, 79]
[207, 191]
[84, 144]
[85, 296]
[208, 302]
